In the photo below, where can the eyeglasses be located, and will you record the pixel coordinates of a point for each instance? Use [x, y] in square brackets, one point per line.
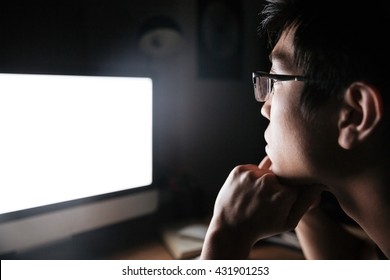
[263, 83]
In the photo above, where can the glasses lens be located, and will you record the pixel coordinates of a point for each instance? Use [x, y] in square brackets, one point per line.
[263, 86]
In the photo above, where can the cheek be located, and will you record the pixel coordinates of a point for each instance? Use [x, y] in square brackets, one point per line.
[288, 153]
[288, 142]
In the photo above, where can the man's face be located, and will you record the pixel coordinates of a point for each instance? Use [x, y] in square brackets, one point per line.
[295, 145]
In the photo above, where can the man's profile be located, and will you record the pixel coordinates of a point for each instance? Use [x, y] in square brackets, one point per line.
[325, 97]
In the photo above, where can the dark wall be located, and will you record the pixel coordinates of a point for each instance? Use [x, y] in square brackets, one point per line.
[206, 118]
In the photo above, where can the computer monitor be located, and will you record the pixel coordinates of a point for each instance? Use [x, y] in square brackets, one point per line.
[76, 154]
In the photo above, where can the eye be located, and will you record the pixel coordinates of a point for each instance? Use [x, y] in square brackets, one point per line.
[272, 83]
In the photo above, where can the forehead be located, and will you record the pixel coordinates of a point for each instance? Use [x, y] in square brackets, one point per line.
[282, 55]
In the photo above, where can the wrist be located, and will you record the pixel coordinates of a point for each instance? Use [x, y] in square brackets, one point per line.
[225, 242]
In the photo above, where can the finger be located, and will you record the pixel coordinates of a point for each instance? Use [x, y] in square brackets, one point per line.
[265, 163]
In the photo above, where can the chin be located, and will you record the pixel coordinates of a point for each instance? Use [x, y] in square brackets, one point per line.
[289, 175]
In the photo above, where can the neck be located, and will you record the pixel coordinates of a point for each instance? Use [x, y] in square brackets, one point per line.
[366, 199]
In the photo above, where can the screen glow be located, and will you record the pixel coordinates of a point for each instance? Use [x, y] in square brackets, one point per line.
[69, 137]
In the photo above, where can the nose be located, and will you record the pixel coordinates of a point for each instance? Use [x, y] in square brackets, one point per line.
[266, 109]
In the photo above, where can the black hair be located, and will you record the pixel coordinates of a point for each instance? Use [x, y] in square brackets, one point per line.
[336, 43]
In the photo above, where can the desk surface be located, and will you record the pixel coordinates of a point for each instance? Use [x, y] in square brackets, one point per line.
[156, 250]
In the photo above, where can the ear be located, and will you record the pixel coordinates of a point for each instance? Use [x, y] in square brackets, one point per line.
[361, 111]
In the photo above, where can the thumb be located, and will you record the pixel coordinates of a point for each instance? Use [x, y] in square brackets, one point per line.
[265, 163]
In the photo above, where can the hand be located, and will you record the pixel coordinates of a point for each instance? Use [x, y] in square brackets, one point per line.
[253, 204]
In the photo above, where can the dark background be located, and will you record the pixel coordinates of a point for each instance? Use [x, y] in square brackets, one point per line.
[206, 118]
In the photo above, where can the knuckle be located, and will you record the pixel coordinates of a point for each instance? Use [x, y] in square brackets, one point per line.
[268, 179]
[242, 170]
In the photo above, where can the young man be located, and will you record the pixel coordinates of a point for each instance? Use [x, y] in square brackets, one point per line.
[325, 97]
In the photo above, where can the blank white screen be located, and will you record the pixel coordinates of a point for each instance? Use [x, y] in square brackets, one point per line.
[69, 137]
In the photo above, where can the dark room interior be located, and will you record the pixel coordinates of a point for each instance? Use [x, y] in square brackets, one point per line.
[206, 120]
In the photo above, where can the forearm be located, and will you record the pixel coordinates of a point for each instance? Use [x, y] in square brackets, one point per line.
[224, 243]
[323, 238]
